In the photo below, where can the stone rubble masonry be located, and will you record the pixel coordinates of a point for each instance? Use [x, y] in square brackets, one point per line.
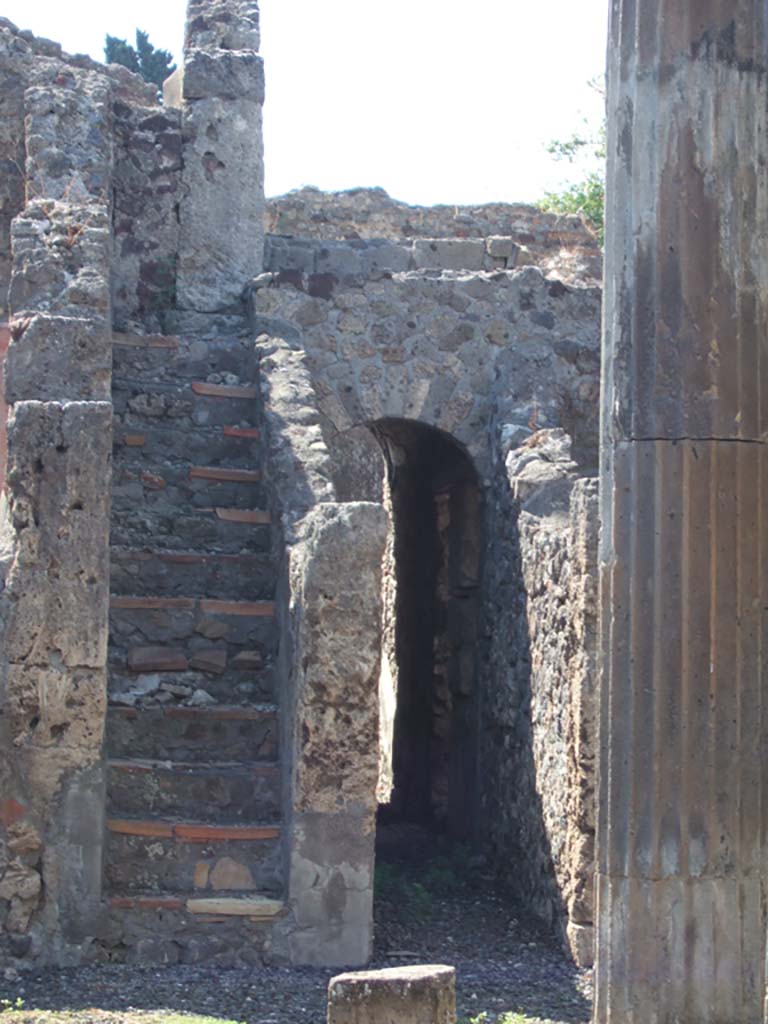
[354, 341]
[422, 994]
[437, 347]
[539, 720]
[55, 512]
[60, 94]
[221, 210]
[294, 433]
[681, 923]
[147, 189]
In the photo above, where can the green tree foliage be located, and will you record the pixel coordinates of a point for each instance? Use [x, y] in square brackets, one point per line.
[153, 65]
[584, 197]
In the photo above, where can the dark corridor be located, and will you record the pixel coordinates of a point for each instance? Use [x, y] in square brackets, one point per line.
[436, 511]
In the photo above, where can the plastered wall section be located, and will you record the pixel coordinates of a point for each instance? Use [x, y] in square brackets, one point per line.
[55, 518]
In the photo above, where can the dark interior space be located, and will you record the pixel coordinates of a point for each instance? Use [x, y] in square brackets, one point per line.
[436, 511]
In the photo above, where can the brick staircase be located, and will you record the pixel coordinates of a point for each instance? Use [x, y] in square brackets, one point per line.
[193, 858]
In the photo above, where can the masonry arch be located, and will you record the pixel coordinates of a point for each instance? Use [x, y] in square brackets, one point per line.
[429, 685]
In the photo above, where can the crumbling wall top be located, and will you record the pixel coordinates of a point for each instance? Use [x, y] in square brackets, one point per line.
[372, 213]
[222, 25]
[17, 46]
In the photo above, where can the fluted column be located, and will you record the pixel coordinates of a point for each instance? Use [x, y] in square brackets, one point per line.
[684, 491]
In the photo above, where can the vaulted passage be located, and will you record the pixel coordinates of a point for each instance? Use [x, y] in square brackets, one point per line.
[429, 698]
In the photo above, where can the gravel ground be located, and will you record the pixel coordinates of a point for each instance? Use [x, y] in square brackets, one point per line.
[433, 908]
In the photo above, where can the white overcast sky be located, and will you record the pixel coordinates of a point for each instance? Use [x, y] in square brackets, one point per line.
[437, 101]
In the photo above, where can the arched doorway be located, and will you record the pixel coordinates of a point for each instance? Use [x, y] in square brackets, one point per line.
[429, 692]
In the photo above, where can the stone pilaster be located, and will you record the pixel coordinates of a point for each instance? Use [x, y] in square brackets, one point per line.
[331, 733]
[222, 209]
[681, 820]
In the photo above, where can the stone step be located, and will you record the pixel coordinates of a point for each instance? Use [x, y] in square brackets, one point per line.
[192, 687]
[158, 358]
[216, 792]
[157, 855]
[137, 443]
[194, 735]
[183, 487]
[254, 906]
[221, 529]
[140, 621]
[184, 404]
[173, 573]
[168, 928]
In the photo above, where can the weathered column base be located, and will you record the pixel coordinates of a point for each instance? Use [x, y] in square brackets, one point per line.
[408, 995]
[701, 948]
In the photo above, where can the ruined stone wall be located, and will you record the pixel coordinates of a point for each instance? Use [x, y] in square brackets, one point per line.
[554, 242]
[116, 212]
[55, 511]
[538, 715]
[490, 358]
[437, 346]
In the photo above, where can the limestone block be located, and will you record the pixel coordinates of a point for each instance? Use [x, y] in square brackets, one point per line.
[423, 994]
[236, 75]
[173, 89]
[331, 889]
[58, 483]
[380, 255]
[58, 706]
[339, 259]
[58, 358]
[581, 942]
[289, 254]
[449, 253]
[502, 247]
[221, 214]
[254, 907]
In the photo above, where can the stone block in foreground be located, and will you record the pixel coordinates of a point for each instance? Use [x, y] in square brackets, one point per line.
[424, 994]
